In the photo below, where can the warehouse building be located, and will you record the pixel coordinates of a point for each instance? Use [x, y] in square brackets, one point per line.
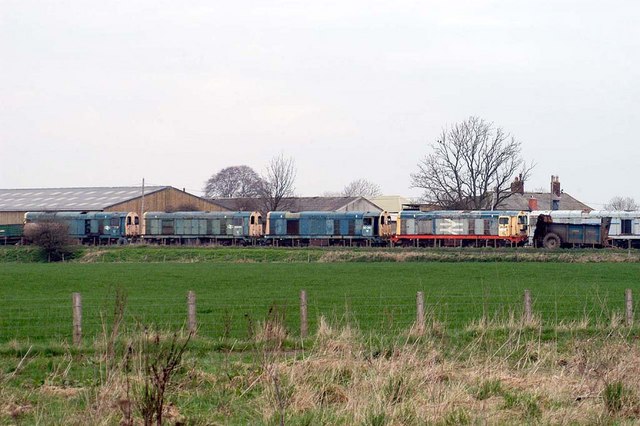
[14, 203]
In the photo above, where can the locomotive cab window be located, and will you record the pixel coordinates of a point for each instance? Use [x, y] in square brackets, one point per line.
[253, 220]
[128, 220]
[503, 221]
[367, 221]
[625, 226]
[136, 220]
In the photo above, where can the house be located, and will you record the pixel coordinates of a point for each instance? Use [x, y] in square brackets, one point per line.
[556, 199]
[520, 200]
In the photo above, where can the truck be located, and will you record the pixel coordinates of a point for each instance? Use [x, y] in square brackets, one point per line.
[552, 235]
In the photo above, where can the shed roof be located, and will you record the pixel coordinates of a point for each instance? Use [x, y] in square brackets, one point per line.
[297, 204]
[69, 199]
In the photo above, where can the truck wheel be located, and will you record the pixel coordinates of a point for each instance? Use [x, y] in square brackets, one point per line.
[551, 241]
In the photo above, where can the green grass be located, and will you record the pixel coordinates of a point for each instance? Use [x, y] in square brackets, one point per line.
[475, 362]
[233, 297]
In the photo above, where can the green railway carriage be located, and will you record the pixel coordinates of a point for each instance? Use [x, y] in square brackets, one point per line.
[90, 227]
[11, 234]
[202, 227]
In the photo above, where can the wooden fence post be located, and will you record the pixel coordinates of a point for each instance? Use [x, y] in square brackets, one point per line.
[191, 312]
[77, 318]
[528, 316]
[304, 325]
[420, 312]
[629, 305]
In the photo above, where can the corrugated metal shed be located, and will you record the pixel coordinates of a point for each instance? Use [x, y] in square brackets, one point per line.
[69, 199]
[14, 203]
[168, 199]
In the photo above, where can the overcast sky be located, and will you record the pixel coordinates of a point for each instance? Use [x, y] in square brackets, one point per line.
[106, 93]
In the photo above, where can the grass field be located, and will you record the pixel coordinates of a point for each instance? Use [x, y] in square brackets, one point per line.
[36, 298]
[576, 363]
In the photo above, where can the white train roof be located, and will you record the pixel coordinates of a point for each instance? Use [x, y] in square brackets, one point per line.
[591, 214]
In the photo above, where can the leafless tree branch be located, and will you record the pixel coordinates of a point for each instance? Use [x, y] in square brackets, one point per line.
[470, 166]
[621, 203]
[361, 188]
[278, 182]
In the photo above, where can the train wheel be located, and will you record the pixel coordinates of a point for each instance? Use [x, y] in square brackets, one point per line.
[551, 241]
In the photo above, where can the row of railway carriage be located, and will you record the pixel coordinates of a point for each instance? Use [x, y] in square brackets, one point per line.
[412, 228]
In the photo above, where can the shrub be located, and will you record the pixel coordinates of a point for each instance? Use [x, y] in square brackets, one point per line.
[52, 238]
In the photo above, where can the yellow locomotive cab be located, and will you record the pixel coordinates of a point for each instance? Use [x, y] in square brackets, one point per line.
[132, 225]
[513, 226]
[255, 225]
[384, 223]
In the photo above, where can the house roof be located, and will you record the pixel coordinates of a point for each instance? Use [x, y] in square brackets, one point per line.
[296, 204]
[70, 199]
[519, 201]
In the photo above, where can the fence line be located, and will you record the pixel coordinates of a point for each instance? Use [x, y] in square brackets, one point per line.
[214, 317]
[385, 312]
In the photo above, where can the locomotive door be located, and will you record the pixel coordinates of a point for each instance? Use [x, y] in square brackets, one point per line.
[293, 227]
[503, 226]
[367, 227]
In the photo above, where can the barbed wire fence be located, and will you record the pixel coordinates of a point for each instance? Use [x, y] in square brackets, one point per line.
[80, 318]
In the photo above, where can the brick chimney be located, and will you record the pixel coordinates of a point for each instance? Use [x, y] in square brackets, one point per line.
[517, 186]
[556, 192]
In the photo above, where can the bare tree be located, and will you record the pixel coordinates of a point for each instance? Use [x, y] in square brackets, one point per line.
[621, 203]
[278, 182]
[361, 188]
[471, 166]
[234, 181]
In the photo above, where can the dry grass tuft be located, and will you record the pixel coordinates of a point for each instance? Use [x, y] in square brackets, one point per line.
[92, 256]
[60, 391]
[333, 340]
[271, 332]
[512, 321]
[522, 380]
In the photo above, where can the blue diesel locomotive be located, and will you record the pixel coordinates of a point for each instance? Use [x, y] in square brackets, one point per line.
[203, 227]
[326, 228]
[93, 227]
